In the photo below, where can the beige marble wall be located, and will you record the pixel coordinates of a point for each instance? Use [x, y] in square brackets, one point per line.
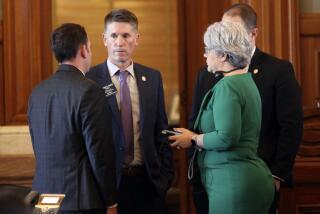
[15, 140]
[17, 161]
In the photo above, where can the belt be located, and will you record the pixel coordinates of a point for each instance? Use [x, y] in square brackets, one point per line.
[133, 171]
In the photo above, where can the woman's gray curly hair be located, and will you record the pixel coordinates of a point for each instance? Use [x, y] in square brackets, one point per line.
[231, 39]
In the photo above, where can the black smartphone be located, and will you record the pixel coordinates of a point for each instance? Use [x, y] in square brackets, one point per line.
[170, 132]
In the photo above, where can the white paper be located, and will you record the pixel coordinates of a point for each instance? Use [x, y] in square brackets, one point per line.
[50, 200]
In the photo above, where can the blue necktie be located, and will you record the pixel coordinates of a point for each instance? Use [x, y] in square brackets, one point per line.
[126, 117]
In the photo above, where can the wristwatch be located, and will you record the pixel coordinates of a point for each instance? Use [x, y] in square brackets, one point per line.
[194, 141]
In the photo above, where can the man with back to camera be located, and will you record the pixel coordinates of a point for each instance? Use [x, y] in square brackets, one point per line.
[135, 95]
[69, 123]
[282, 117]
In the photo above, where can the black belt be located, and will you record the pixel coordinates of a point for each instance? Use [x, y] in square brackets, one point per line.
[133, 171]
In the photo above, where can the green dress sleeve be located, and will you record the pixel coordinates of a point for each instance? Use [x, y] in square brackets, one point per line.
[226, 109]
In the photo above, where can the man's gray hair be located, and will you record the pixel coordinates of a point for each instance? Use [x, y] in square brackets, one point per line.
[230, 39]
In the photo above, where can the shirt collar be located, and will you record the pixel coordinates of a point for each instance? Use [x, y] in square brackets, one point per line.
[113, 69]
[253, 50]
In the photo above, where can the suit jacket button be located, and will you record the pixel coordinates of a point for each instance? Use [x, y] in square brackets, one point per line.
[121, 148]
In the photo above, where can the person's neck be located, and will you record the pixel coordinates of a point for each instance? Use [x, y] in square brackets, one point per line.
[79, 66]
[122, 65]
[231, 70]
[236, 72]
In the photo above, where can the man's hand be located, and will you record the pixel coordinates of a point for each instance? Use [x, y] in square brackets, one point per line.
[112, 210]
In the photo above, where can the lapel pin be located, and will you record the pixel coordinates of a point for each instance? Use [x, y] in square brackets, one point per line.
[144, 78]
[255, 71]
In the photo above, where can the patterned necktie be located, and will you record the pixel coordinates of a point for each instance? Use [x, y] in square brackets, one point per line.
[126, 117]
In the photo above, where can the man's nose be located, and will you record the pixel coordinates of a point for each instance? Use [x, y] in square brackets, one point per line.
[120, 41]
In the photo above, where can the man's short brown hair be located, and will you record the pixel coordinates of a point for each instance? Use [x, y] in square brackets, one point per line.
[245, 12]
[121, 15]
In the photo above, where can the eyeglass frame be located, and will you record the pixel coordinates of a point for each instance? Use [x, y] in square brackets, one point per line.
[207, 50]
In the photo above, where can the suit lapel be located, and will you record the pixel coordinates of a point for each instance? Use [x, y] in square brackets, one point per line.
[204, 103]
[105, 80]
[256, 60]
[141, 78]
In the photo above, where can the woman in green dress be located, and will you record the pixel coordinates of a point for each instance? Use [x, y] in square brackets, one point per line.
[237, 181]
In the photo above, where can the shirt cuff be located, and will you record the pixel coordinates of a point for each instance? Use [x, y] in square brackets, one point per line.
[112, 206]
[278, 178]
[199, 141]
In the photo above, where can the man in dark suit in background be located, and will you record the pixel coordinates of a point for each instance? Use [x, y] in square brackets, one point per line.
[135, 95]
[282, 117]
[70, 128]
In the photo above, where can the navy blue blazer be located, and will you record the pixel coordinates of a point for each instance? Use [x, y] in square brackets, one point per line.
[156, 151]
[68, 119]
[282, 117]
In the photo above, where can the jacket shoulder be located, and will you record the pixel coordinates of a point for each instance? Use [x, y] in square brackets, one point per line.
[95, 71]
[146, 68]
[67, 82]
[274, 61]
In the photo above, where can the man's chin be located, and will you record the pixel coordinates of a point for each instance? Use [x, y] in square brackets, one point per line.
[121, 59]
[118, 59]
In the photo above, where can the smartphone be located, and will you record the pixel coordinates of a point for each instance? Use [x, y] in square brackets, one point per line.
[170, 132]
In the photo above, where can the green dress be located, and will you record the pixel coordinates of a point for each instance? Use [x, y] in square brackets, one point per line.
[236, 179]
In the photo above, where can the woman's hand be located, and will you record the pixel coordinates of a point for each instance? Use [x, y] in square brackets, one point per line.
[112, 210]
[182, 140]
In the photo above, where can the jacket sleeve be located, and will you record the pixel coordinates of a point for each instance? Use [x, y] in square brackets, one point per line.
[165, 150]
[97, 133]
[196, 102]
[290, 120]
[227, 120]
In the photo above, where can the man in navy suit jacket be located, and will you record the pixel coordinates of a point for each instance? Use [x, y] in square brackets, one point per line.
[282, 117]
[144, 179]
[70, 127]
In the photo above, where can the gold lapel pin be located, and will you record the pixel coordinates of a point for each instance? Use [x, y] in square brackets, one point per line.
[144, 78]
[255, 71]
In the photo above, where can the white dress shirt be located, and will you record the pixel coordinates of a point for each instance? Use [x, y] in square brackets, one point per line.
[135, 106]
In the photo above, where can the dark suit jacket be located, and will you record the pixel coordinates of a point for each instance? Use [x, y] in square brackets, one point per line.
[156, 151]
[282, 117]
[69, 123]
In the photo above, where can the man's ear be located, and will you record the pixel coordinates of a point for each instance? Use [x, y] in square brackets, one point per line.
[137, 39]
[254, 33]
[104, 39]
[84, 51]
